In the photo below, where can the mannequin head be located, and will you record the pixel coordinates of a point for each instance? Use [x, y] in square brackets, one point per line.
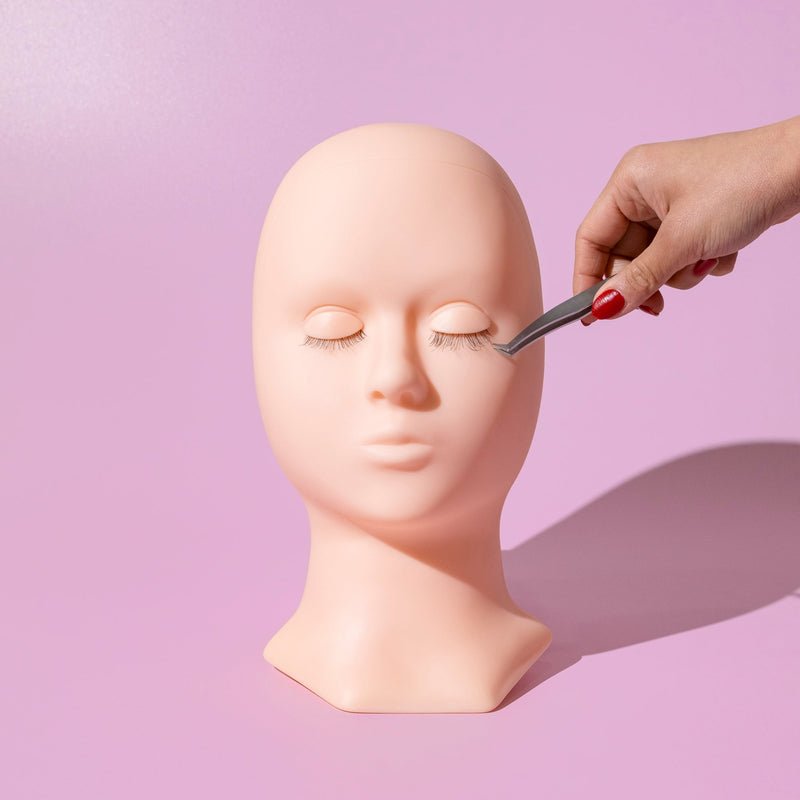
[391, 256]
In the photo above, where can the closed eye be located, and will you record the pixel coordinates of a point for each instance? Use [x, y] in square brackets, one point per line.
[455, 341]
[446, 341]
[334, 344]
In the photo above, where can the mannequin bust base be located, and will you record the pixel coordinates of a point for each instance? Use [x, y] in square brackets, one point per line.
[473, 678]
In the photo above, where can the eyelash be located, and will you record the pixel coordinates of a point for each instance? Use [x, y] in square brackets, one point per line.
[335, 344]
[446, 341]
[455, 341]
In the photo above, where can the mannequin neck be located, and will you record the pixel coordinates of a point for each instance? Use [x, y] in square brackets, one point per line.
[379, 560]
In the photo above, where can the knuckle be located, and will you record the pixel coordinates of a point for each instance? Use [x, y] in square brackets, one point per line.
[635, 154]
[638, 159]
[642, 276]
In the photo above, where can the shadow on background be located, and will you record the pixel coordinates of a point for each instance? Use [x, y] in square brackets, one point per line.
[698, 540]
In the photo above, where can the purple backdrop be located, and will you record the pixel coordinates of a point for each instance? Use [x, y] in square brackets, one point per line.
[150, 545]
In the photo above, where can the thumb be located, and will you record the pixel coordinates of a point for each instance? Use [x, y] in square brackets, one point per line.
[641, 278]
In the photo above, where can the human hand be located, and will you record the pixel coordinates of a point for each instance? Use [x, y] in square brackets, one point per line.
[674, 212]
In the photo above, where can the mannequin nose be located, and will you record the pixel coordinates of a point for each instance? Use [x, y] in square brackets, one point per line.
[397, 376]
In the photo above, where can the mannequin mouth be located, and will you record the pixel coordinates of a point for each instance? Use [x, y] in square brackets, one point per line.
[398, 452]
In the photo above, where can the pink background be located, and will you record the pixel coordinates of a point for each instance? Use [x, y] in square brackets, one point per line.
[150, 545]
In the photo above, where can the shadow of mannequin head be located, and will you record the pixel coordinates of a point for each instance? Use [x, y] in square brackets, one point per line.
[391, 256]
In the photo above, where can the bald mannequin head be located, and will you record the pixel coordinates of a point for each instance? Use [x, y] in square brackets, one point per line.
[390, 257]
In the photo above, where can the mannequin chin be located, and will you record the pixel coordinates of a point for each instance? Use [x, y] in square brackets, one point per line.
[391, 256]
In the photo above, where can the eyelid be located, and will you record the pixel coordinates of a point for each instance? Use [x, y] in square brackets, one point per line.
[331, 322]
[459, 318]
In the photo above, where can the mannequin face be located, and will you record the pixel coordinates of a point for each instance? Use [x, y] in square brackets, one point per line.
[380, 284]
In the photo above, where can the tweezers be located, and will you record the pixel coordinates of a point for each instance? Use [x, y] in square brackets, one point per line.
[570, 310]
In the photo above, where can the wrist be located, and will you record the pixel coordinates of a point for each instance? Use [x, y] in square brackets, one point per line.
[787, 167]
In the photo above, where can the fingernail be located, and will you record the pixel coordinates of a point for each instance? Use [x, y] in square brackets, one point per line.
[648, 310]
[701, 267]
[608, 304]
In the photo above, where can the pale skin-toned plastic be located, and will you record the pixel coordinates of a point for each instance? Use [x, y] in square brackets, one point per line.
[391, 256]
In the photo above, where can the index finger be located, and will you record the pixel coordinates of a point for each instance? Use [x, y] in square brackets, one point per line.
[597, 235]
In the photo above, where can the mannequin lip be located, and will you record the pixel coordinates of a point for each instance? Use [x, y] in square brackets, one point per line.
[393, 437]
[398, 450]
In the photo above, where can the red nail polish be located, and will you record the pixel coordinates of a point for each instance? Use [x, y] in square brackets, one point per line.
[648, 310]
[585, 323]
[701, 267]
[608, 304]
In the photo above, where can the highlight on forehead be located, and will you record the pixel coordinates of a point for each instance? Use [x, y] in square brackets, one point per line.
[399, 141]
[359, 178]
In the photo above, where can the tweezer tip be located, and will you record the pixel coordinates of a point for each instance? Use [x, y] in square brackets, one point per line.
[502, 348]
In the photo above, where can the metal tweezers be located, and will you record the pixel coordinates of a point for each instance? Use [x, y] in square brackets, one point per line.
[570, 310]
